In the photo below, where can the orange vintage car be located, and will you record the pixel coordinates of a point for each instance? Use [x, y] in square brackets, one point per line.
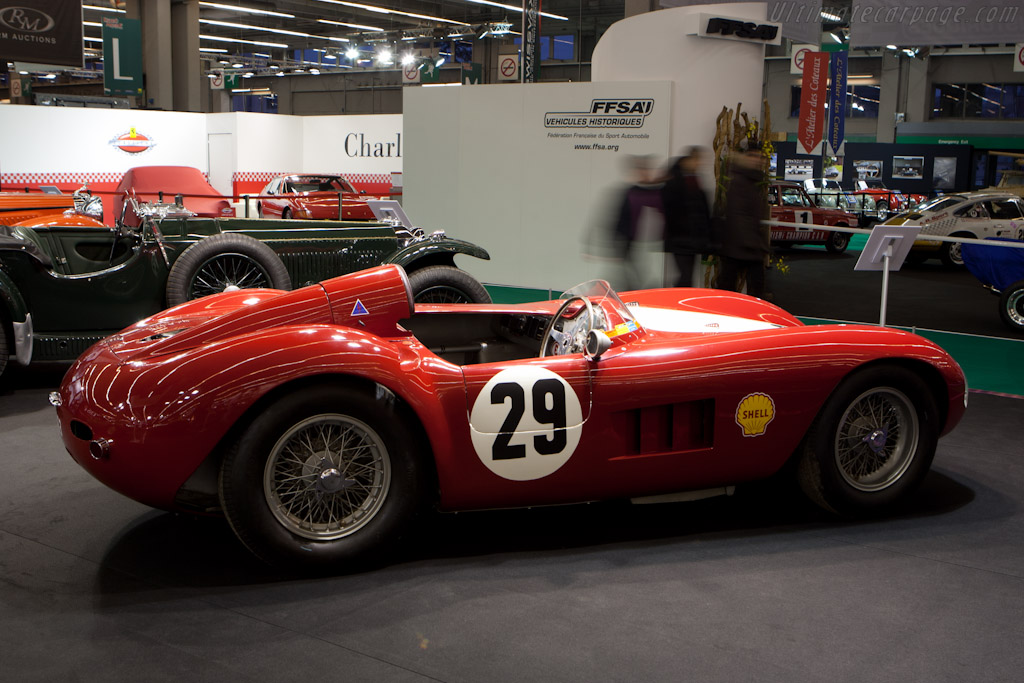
[19, 206]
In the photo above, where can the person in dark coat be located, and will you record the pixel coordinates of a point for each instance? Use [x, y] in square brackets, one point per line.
[745, 243]
[644, 192]
[687, 216]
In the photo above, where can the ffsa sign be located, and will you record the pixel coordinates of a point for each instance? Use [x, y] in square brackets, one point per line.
[734, 28]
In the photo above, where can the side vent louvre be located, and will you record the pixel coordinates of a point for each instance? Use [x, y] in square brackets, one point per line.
[673, 427]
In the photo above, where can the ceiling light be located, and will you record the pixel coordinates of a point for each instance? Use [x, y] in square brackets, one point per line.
[239, 40]
[249, 27]
[830, 16]
[105, 9]
[237, 66]
[382, 10]
[250, 10]
[212, 49]
[92, 40]
[439, 62]
[93, 23]
[836, 38]
[517, 8]
[408, 58]
[891, 47]
[364, 27]
[352, 52]
[385, 58]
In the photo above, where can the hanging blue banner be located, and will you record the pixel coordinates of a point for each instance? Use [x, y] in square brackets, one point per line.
[837, 101]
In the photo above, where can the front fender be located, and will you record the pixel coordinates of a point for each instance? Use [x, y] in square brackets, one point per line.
[13, 303]
[432, 248]
[14, 311]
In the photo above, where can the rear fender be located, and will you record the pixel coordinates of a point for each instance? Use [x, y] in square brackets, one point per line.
[435, 251]
[221, 387]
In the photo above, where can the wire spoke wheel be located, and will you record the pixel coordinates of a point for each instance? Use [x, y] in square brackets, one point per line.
[443, 294]
[228, 272]
[876, 439]
[327, 477]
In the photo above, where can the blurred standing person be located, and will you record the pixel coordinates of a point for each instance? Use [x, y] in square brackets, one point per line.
[745, 242]
[687, 215]
[644, 192]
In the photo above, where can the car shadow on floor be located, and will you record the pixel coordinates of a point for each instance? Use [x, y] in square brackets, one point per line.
[174, 550]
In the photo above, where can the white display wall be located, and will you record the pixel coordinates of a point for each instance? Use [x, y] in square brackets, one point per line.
[486, 164]
[61, 145]
[239, 151]
[709, 73]
[481, 165]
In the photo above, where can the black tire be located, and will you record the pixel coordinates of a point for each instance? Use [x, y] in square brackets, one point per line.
[951, 254]
[1011, 305]
[842, 470]
[341, 508]
[446, 285]
[221, 262]
[837, 242]
[286, 214]
[882, 210]
[916, 258]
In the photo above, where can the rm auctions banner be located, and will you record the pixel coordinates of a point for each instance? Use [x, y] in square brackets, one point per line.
[837, 101]
[812, 102]
[41, 32]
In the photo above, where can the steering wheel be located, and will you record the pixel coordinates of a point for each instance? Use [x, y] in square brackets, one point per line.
[572, 338]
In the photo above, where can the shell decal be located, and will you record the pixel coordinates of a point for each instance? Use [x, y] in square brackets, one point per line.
[754, 413]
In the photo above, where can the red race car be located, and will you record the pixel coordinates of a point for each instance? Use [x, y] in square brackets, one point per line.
[875, 199]
[313, 196]
[791, 204]
[322, 421]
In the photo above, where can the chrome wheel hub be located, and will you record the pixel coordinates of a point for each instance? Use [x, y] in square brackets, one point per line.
[327, 477]
[1015, 307]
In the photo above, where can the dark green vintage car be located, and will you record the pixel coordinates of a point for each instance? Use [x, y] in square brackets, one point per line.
[68, 281]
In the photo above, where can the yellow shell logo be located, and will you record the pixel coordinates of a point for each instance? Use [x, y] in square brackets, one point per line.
[754, 413]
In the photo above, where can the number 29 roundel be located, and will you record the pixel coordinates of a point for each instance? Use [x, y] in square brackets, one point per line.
[526, 423]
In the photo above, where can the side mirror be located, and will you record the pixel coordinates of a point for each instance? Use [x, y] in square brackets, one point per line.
[597, 343]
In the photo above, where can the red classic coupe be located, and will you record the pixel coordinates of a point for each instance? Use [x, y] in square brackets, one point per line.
[313, 196]
[321, 421]
[790, 203]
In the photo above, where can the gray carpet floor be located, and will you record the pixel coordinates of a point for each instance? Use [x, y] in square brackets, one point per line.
[757, 587]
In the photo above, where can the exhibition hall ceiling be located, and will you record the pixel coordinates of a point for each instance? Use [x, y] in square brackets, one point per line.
[278, 26]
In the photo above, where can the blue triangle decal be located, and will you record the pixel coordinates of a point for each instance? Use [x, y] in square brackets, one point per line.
[359, 309]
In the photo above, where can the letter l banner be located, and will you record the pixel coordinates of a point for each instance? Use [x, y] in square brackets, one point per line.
[813, 93]
[837, 101]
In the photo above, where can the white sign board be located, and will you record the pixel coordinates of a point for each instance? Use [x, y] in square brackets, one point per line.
[508, 68]
[796, 57]
[411, 73]
[541, 222]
